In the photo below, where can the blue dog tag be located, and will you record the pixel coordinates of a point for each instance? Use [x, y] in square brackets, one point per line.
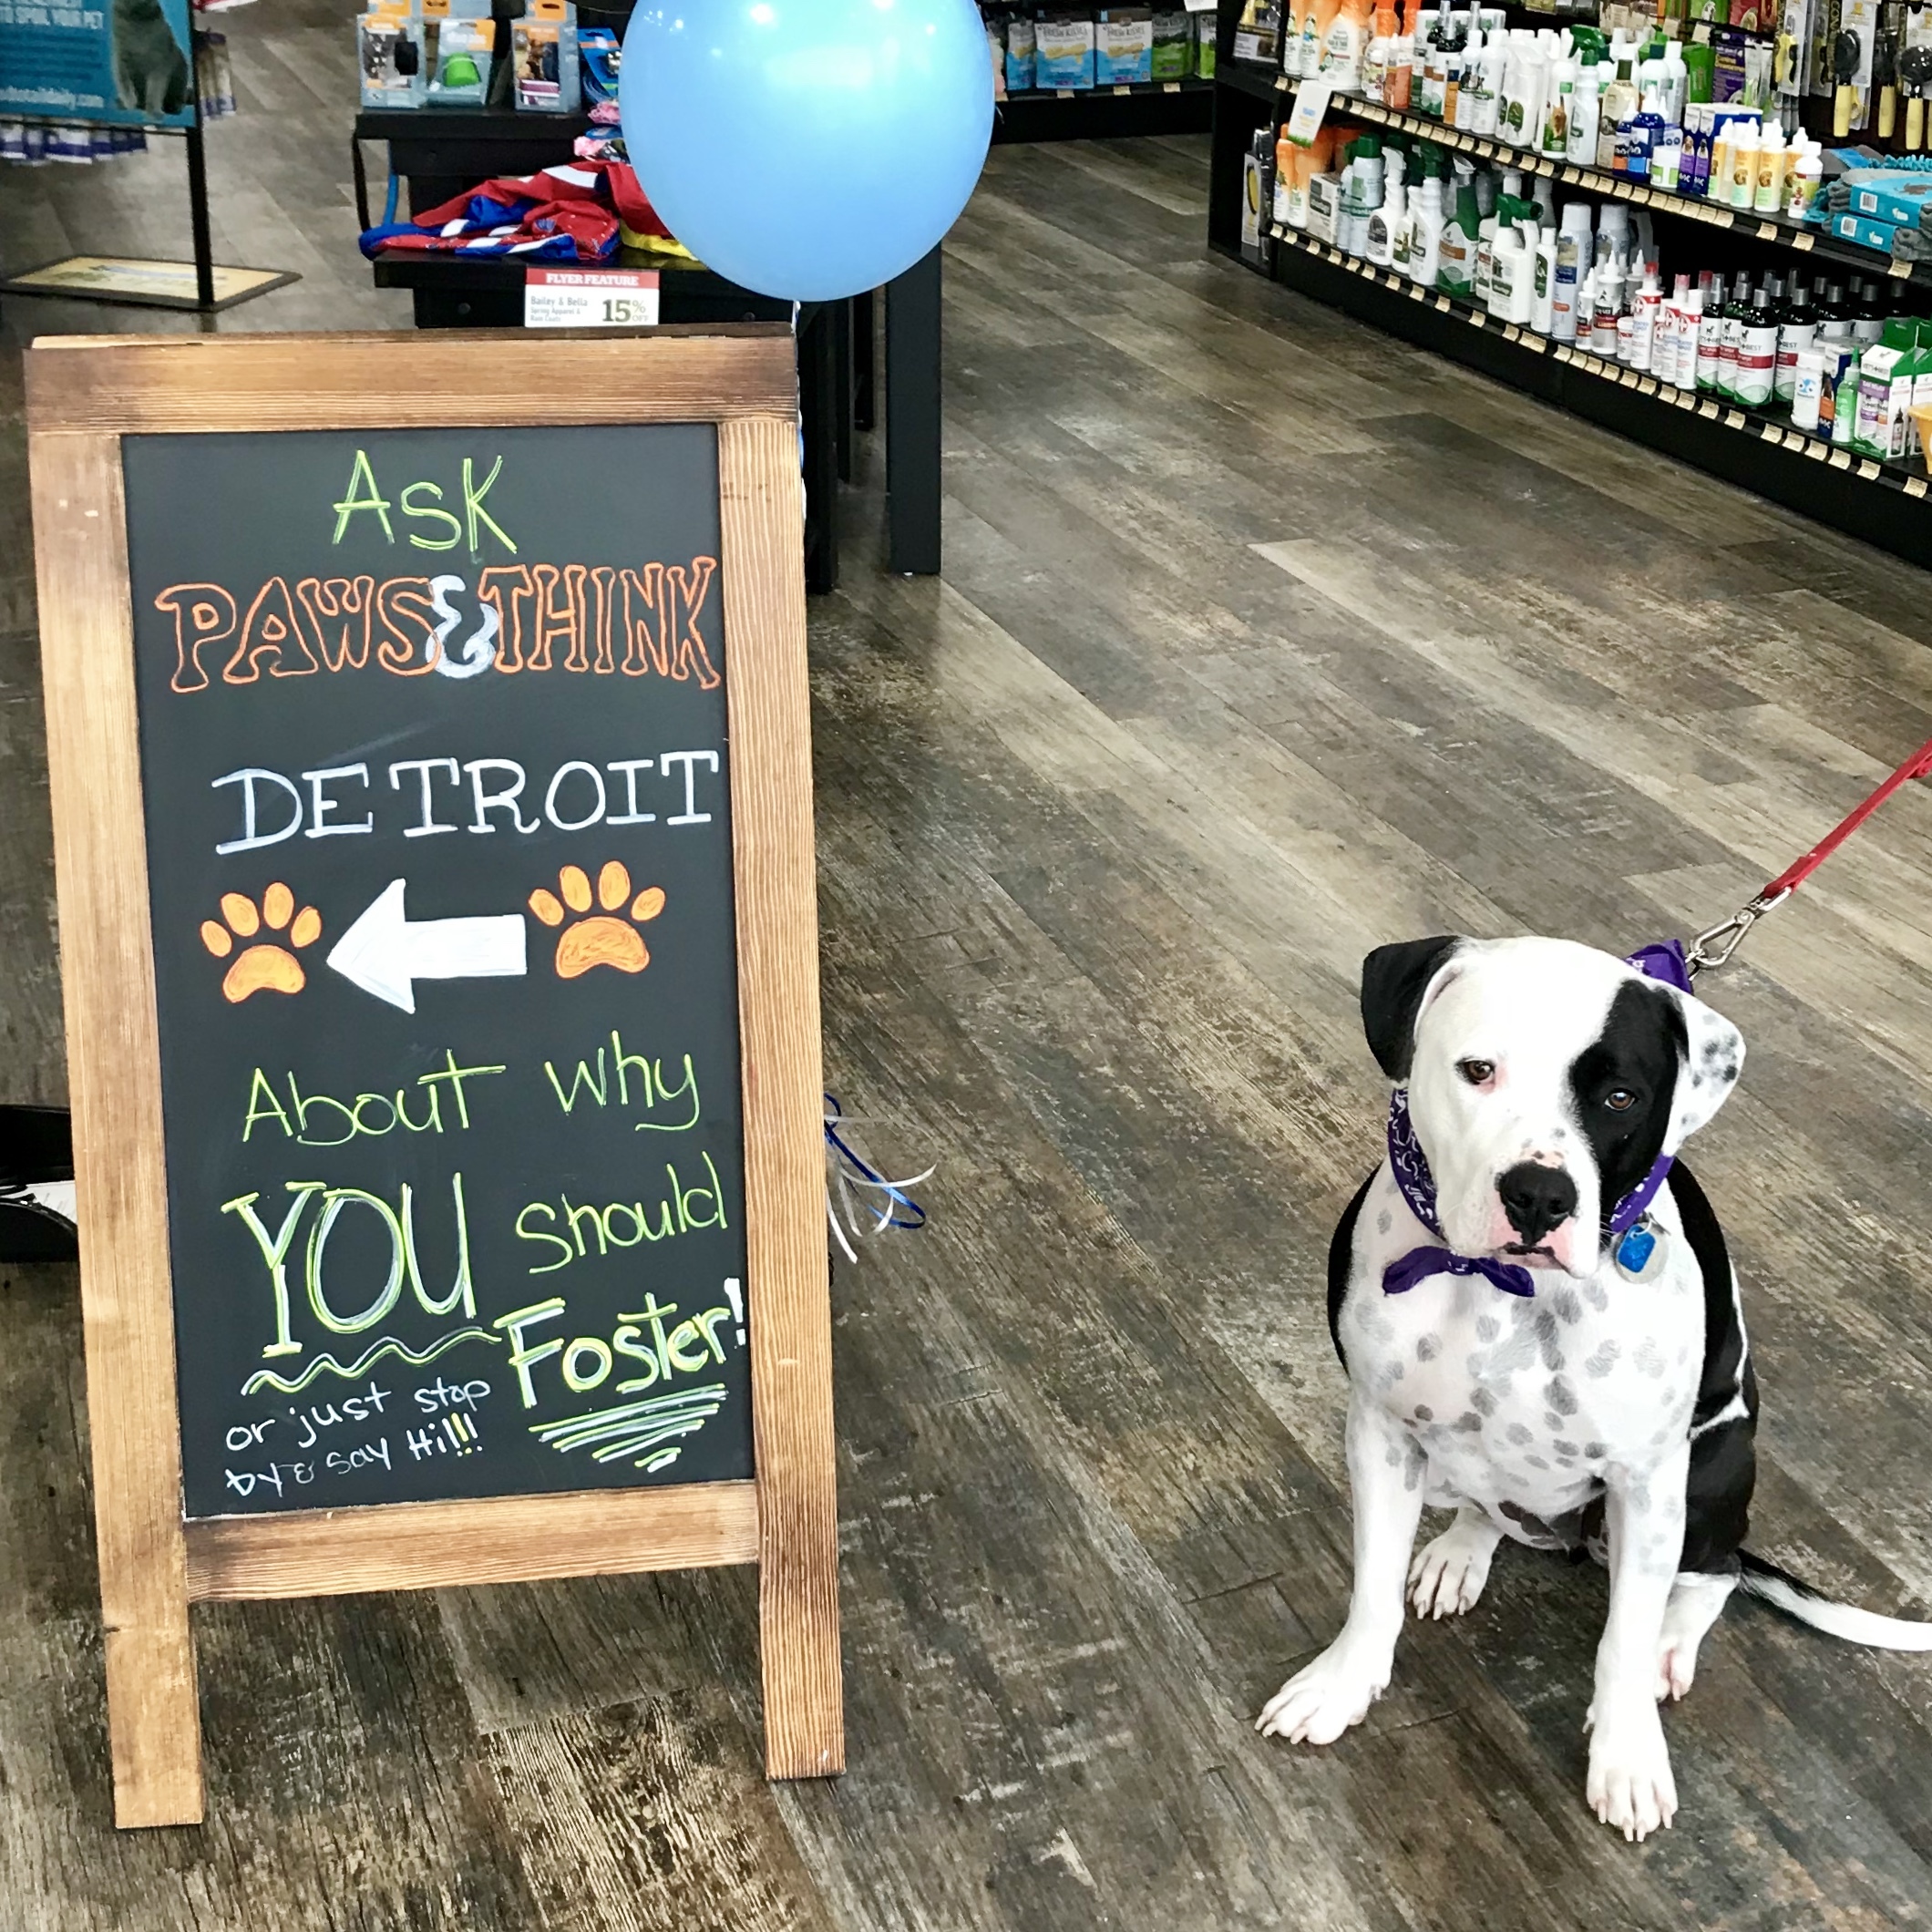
[1635, 1249]
[1639, 1255]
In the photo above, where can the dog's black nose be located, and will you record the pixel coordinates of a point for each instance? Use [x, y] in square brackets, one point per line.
[1536, 1200]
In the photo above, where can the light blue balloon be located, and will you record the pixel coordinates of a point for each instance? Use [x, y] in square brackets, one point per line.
[808, 148]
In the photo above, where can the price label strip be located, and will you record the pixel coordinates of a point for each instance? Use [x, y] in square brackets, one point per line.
[590, 298]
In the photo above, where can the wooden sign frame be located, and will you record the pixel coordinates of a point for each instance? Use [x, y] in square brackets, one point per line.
[84, 394]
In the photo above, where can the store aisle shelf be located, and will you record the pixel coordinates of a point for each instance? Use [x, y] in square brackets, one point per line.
[1084, 114]
[1779, 230]
[1259, 83]
[1887, 504]
[468, 125]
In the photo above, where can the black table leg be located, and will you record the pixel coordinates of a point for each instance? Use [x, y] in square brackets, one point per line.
[865, 415]
[912, 420]
[817, 404]
[842, 384]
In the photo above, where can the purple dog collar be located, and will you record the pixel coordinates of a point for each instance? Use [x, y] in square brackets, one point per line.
[1410, 1166]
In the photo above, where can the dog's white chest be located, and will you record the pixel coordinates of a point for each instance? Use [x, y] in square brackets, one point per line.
[1522, 1405]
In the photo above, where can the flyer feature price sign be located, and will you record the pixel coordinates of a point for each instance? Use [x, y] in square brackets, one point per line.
[578, 298]
[431, 783]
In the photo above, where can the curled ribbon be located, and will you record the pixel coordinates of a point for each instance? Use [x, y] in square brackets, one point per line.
[848, 1174]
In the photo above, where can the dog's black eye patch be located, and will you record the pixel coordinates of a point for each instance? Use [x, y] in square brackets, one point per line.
[1622, 1084]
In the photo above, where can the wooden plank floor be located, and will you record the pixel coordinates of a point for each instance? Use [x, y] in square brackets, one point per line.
[1260, 640]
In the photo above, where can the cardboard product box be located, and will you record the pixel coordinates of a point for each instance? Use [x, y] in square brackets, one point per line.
[1901, 202]
[1865, 231]
[1886, 376]
[1324, 207]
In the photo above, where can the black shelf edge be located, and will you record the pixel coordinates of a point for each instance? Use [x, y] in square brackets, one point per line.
[1776, 231]
[680, 283]
[1109, 113]
[1255, 82]
[1882, 503]
[443, 125]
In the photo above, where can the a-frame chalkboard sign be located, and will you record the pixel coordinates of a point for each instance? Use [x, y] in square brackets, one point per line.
[431, 776]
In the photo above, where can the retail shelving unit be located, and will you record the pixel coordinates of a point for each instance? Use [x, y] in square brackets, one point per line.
[1887, 504]
[1087, 114]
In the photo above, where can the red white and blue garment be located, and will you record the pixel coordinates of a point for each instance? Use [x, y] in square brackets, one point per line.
[570, 212]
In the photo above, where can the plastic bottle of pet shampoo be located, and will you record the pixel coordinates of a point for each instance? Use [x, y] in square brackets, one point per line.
[1386, 223]
[1573, 266]
[1543, 282]
[1425, 232]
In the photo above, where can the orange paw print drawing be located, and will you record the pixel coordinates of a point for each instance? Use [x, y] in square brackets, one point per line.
[607, 938]
[267, 966]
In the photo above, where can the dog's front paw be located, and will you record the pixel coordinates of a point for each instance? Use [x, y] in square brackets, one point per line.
[1630, 1786]
[1448, 1575]
[1317, 1704]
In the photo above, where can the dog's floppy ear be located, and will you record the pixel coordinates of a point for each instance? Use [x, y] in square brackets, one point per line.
[1394, 982]
[1714, 1058]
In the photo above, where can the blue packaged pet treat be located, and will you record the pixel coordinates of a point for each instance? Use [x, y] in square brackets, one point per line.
[1064, 50]
[1020, 53]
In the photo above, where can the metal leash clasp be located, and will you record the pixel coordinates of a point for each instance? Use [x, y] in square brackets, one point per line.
[1713, 949]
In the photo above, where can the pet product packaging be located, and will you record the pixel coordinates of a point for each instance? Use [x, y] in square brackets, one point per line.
[1324, 207]
[1123, 45]
[1898, 198]
[1173, 54]
[389, 49]
[1064, 50]
[1206, 43]
[1727, 70]
[214, 76]
[1020, 61]
[598, 51]
[995, 27]
[1881, 235]
[1885, 378]
[1258, 33]
[1257, 190]
[460, 50]
[544, 58]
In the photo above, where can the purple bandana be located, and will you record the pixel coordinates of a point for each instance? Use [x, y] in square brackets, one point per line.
[1410, 1166]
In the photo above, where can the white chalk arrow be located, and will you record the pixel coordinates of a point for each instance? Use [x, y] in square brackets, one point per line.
[385, 952]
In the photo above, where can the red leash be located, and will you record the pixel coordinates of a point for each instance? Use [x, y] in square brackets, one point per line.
[1713, 948]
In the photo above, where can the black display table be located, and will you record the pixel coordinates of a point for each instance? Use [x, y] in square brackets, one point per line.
[439, 155]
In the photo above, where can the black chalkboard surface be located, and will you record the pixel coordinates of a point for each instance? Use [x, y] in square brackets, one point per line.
[435, 773]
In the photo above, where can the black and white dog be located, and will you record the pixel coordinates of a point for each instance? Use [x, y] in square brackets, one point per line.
[1542, 1332]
